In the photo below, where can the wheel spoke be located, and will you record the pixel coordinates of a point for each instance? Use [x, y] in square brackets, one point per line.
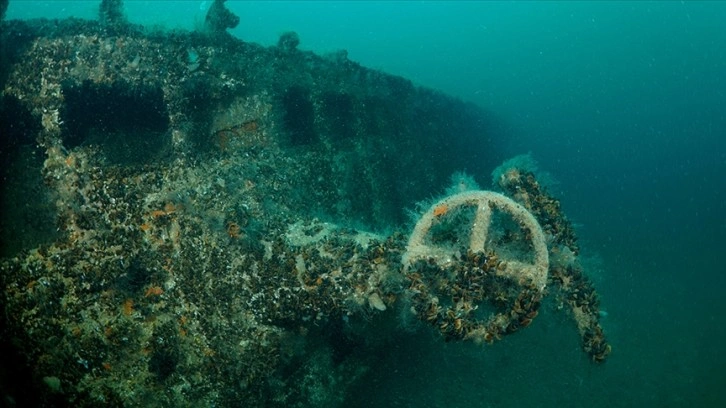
[515, 270]
[480, 227]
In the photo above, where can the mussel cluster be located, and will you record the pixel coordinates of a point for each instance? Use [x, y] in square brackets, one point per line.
[566, 274]
[452, 298]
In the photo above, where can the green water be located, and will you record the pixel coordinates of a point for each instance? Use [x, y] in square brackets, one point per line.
[623, 104]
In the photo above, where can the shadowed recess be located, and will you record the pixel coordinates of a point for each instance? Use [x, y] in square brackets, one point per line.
[129, 124]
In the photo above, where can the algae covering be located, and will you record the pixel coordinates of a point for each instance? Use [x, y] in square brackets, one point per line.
[183, 218]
